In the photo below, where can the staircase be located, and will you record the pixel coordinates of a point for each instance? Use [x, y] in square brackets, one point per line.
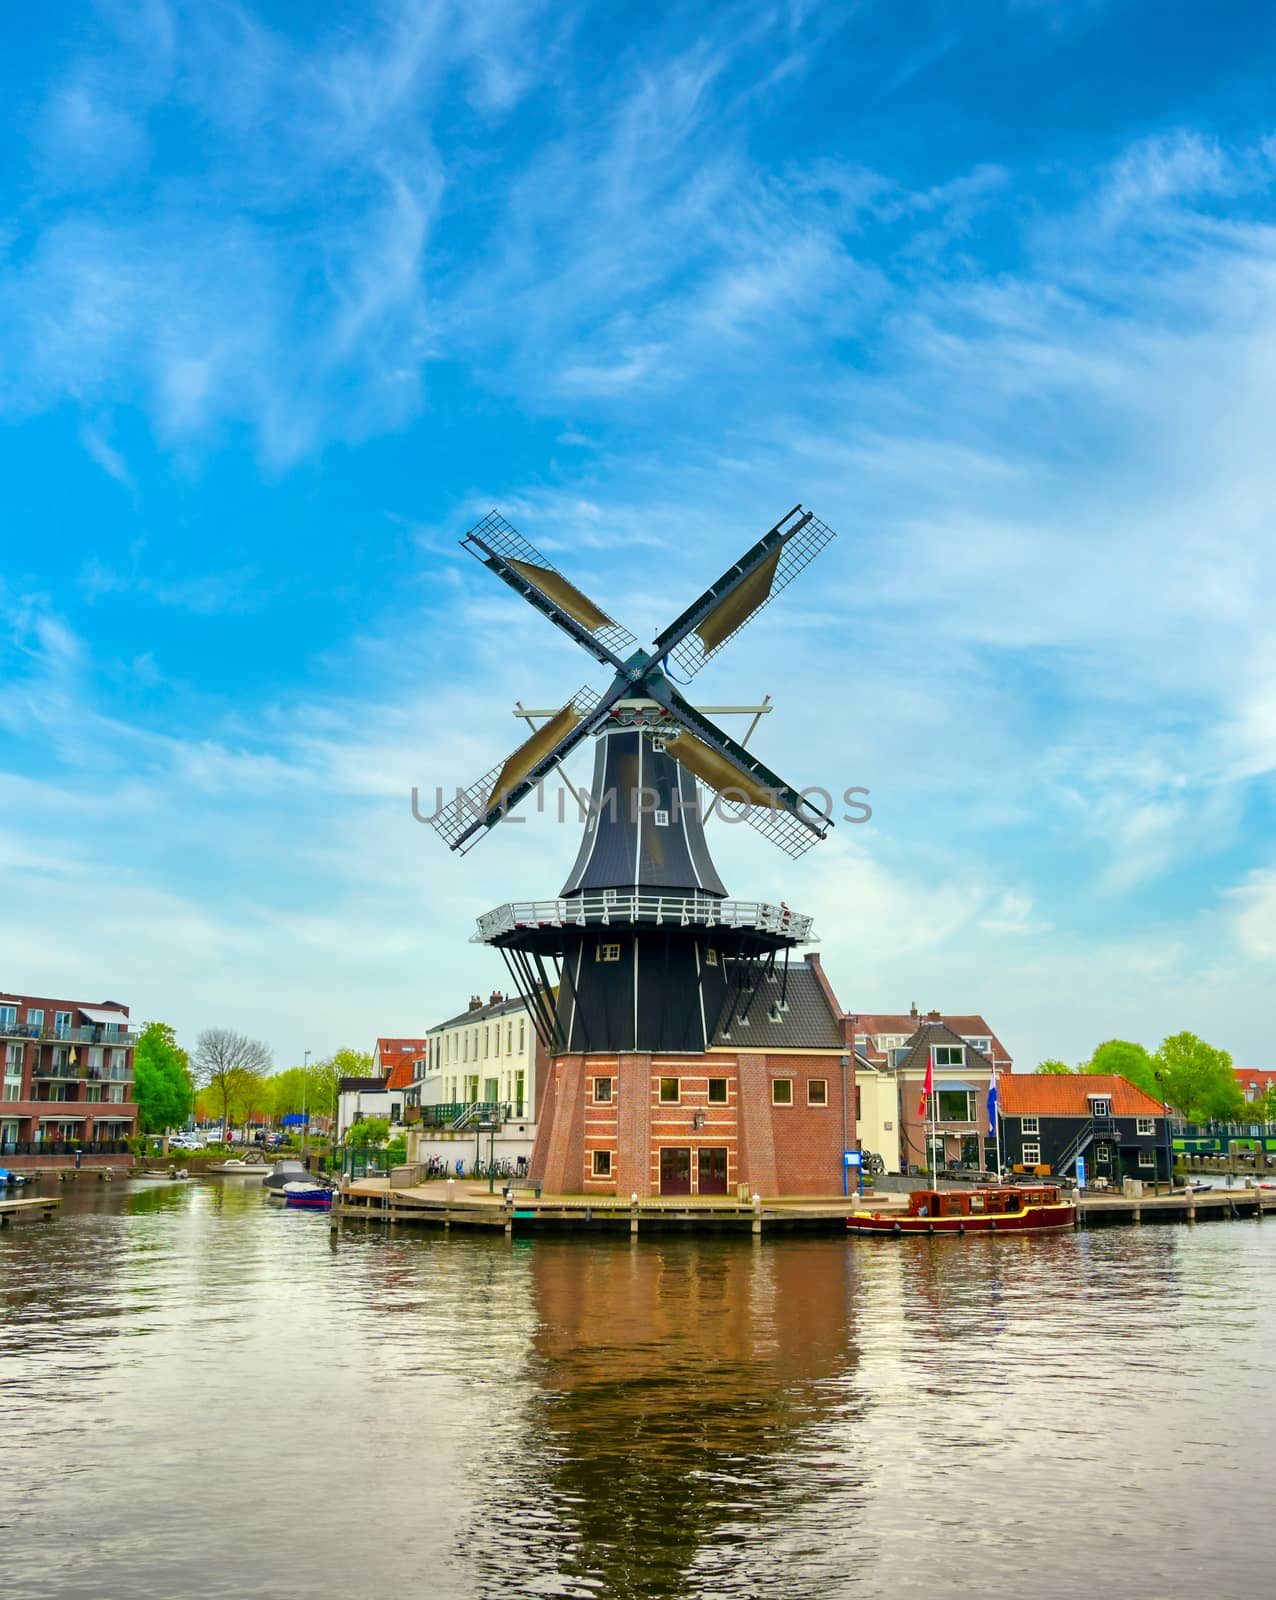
[1093, 1128]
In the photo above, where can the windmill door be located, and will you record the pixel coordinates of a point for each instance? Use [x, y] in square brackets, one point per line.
[711, 1170]
[675, 1171]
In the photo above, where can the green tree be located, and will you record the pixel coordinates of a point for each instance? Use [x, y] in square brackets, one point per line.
[1197, 1079]
[1053, 1067]
[161, 1080]
[1128, 1059]
[372, 1130]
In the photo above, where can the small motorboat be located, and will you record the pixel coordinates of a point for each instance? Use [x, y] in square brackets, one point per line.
[1039, 1209]
[308, 1196]
[235, 1168]
[8, 1177]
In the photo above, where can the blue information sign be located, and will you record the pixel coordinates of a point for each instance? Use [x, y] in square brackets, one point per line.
[1080, 1172]
[296, 1119]
[851, 1158]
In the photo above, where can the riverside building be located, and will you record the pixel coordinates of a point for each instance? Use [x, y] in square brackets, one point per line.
[67, 1089]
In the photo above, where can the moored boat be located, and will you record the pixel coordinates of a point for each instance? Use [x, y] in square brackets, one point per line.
[308, 1196]
[235, 1168]
[1040, 1208]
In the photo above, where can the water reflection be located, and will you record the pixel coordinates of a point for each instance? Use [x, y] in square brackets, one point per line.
[694, 1425]
[199, 1391]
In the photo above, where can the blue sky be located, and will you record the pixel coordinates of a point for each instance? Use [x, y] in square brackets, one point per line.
[289, 296]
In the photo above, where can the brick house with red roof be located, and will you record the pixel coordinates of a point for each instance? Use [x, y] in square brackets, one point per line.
[1255, 1082]
[391, 1053]
[1114, 1128]
[891, 1050]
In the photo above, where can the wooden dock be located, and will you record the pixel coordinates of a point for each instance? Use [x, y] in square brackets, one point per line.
[443, 1205]
[38, 1205]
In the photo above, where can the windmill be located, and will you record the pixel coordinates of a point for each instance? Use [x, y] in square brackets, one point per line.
[642, 950]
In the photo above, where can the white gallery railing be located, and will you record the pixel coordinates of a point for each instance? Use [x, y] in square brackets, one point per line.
[683, 910]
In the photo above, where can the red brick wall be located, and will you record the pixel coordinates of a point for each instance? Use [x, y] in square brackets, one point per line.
[794, 1149]
[30, 1108]
[807, 1138]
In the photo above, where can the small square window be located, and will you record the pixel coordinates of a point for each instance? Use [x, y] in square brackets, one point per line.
[817, 1092]
[1029, 1125]
[781, 1091]
[602, 1163]
[602, 1091]
[662, 819]
[1031, 1155]
[711, 958]
[1147, 1158]
[669, 1091]
[1147, 1125]
[607, 952]
[717, 1091]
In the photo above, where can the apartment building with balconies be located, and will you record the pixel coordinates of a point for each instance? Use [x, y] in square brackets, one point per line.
[66, 1090]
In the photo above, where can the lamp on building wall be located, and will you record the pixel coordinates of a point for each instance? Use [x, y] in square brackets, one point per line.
[697, 1121]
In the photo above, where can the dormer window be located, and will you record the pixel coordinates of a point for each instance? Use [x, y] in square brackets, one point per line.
[662, 819]
[950, 1055]
[1100, 1106]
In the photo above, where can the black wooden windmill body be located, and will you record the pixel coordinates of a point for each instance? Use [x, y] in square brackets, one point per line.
[642, 950]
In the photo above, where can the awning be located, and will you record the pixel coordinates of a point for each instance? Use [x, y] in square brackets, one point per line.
[102, 1018]
[943, 1084]
[112, 1118]
[64, 1116]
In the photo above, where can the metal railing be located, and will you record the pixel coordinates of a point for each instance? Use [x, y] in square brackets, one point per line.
[63, 1147]
[461, 1114]
[51, 1033]
[602, 910]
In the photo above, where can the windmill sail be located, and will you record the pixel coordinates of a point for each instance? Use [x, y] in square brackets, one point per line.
[463, 817]
[743, 784]
[743, 590]
[520, 564]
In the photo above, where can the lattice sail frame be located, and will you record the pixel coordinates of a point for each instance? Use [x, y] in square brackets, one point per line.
[458, 816]
[794, 825]
[508, 544]
[797, 549]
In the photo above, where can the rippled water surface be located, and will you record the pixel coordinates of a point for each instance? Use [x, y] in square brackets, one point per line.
[203, 1395]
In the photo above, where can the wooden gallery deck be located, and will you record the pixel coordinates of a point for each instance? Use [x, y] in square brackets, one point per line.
[438, 1205]
[37, 1206]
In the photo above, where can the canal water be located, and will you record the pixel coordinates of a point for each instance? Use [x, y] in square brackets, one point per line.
[202, 1395]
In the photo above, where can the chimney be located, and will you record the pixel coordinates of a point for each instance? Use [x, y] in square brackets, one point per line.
[933, 1016]
[476, 1002]
[496, 999]
[913, 1011]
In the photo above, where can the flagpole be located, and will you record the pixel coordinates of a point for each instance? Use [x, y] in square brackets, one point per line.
[934, 1125]
[996, 1118]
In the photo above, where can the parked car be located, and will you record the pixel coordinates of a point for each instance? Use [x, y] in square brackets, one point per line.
[185, 1141]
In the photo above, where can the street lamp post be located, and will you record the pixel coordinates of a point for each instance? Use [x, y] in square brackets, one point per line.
[1169, 1148]
[305, 1126]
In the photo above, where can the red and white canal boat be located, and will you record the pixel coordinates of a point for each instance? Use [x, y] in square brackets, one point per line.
[1040, 1208]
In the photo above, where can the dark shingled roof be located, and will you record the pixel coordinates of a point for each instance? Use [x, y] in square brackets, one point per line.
[933, 1033]
[498, 1008]
[809, 1023]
